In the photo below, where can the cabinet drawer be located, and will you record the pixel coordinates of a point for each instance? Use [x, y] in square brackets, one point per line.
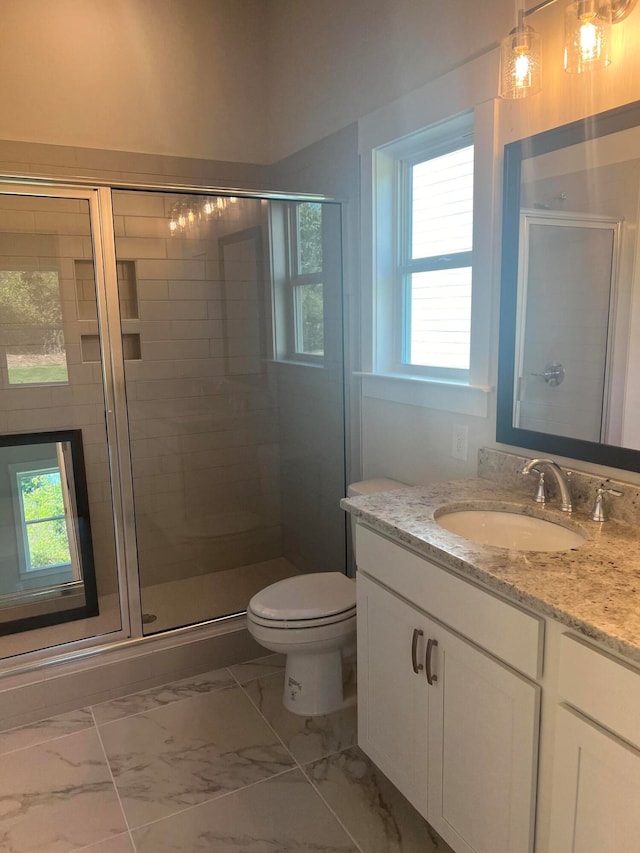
[500, 628]
[603, 688]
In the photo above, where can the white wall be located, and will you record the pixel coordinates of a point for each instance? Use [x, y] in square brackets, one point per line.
[180, 77]
[255, 80]
[333, 62]
[412, 442]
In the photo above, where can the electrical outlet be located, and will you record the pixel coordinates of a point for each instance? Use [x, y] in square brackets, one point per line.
[460, 442]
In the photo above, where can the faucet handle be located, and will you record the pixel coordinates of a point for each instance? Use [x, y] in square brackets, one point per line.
[598, 512]
[541, 494]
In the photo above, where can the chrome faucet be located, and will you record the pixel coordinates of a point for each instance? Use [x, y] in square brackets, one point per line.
[560, 476]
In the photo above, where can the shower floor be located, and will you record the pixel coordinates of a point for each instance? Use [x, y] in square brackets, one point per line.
[196, 599]
[174, 604]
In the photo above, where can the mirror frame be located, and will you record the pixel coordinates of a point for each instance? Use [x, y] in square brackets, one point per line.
[90, 607]
[612, 121]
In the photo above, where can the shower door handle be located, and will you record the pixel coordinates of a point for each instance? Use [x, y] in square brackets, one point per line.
[417, 667]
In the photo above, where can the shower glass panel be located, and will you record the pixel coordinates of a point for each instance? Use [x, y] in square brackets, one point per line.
[58, 575]
[234, 385]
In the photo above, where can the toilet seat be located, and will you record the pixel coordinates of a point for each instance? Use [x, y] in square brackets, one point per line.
[305, 601]
[302, 623]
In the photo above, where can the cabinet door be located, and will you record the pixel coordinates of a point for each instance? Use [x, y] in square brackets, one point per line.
[596, 789]
[483, 739]
[392, 697]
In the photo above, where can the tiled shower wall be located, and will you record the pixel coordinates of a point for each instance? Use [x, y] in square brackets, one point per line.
[203, 414]
[311, 408]
[53, 235]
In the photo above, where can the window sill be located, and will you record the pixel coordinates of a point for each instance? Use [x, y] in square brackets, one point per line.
[291, 362]
[458, 397]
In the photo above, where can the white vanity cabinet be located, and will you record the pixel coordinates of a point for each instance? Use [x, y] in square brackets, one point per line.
[595, 803]
[453, 727]
[392, 695]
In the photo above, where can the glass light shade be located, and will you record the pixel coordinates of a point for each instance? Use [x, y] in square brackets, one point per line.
[520, 66]
[587, 35]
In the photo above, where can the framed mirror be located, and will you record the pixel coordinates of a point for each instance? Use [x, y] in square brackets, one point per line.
[570, 296]
[46, 557]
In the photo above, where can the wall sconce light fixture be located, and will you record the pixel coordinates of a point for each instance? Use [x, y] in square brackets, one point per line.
[520, 61]
[587, 43]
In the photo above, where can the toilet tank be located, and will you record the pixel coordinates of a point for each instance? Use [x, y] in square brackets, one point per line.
[369, 487]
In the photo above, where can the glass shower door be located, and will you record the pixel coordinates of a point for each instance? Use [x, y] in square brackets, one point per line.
[236, 435]
[202, 414]
[59, 578]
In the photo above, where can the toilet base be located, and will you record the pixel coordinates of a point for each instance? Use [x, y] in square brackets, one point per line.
[313, 684]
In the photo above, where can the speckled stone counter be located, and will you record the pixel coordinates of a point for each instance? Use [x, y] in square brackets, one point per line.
[594, 589]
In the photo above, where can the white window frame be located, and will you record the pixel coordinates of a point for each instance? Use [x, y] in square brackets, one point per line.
[406, 265]
[287, 279]
[406, 122]
[297, 280]
[392, 201]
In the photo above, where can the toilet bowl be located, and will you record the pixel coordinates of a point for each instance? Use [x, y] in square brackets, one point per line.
[311, 618]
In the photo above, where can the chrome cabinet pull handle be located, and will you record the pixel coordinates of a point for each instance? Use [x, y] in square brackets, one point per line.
[417, 633]
[431, 676]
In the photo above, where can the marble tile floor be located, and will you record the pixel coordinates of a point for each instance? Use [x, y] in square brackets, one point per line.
[210, 763]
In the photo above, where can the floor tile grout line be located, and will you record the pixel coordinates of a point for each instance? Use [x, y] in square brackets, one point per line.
[258, 677]
[317, 791]
[113, 782]
[299, 764]
[92, 845]
[286, 748]
[162, 686]
[213, 799]
[301, 767]
[165, 705]
[295, 765]
[234, 683]
[90, 709]
[46, 740]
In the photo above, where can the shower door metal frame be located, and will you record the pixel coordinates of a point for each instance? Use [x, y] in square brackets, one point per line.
[99, 195]
[112, 370]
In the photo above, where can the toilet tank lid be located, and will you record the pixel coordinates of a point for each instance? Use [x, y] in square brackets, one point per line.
[305, 597]
[371, 487]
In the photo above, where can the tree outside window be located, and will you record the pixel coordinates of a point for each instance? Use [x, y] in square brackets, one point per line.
[306, 280]
[31, 324]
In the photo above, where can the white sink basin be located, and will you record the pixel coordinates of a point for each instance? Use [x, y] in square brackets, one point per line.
[510, 529]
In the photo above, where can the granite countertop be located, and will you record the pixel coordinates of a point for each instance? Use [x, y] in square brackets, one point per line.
[594, 589]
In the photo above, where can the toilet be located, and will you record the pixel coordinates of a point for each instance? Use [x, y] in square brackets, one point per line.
[311, 618]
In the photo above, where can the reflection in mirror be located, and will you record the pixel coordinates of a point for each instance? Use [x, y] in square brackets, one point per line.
[30, 305]
[46, 559]
[565, 289]
[570, 312]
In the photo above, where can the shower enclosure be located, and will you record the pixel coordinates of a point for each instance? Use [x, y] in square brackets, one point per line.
[189, 348]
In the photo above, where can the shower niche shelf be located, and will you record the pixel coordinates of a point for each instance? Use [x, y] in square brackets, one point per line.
[86, 290]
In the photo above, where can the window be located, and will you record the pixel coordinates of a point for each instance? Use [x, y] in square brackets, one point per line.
[422, 252]
[433, 277]
[41, 518]
[31, 326]
[305, 259]
[306, 279]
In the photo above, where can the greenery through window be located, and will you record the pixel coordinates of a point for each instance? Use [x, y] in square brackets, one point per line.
[306, 280]
[31, 327]
[43, 519]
